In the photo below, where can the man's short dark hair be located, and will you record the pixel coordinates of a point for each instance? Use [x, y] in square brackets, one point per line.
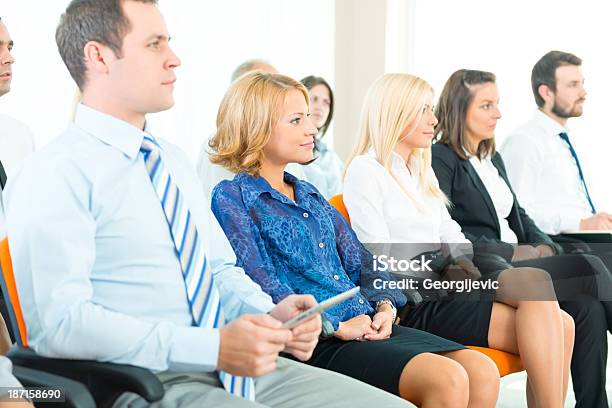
[90, 20]
[544, 70]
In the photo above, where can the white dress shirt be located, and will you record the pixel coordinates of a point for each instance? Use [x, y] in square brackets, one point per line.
[545, 176]
[381, 212]
[95, 264]
[16, 143]
[500, 194]
[7, 380]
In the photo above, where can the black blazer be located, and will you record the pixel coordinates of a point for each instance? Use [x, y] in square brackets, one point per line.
[473, 208]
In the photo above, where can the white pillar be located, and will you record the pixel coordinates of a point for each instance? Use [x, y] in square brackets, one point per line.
[360, 59]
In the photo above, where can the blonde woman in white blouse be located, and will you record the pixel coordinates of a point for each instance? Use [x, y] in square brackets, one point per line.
[392, 196]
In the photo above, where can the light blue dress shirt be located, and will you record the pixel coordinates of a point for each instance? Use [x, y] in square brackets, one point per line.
[95, 265]
[325, 173]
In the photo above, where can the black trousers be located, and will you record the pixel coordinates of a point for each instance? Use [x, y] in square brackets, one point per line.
[578, 281]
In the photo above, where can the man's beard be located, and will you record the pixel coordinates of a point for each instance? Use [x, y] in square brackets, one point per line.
[561, 112]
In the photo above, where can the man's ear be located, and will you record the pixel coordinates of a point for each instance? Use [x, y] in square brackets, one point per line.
[546, 93]
[98, 57]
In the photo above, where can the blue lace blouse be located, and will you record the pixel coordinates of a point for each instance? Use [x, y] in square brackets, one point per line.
[303, 247]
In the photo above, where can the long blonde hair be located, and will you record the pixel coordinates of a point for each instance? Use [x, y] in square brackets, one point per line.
[393, 102]
[247, 115]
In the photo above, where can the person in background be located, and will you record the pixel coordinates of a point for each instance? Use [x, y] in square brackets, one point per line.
[473, 177]
[16, 142]
[542, 164]
[252, 65]
[325, 172]
[126, 263]
[289, 239]
[392, 196]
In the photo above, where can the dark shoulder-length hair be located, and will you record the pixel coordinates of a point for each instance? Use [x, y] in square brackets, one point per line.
[451, 112]
[310, 82]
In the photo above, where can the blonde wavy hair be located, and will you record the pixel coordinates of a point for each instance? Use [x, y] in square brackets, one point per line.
[247, 115]
[393, 102]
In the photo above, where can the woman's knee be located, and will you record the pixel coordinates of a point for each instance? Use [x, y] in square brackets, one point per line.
[452, 384]
[440, 379]
[526, 284]
[526, 275]
[482, 371]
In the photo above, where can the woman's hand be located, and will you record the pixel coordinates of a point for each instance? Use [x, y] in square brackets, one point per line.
[524, 253]
[382, 323]
[461, 270]
[355, 328]
[545, 250]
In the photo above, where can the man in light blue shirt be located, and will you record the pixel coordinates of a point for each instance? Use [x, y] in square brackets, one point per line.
[94, 257]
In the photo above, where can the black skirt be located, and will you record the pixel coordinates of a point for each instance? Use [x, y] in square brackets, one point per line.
[466, 322]
[379, 362]
[461, 317]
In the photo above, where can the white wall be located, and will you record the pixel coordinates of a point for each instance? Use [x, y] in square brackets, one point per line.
[508, 38]
[210, 37]
[360, 59]
[349, 42]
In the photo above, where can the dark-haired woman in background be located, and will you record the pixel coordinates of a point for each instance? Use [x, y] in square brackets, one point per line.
[325, 173]
[473, 177]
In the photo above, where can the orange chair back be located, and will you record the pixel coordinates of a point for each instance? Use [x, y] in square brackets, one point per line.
[9, 289]
[338, 203]
[507, 363]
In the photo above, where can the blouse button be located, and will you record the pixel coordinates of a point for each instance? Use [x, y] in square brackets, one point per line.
[361, 301]
[321, 245]
[305, 215]
[336, 277]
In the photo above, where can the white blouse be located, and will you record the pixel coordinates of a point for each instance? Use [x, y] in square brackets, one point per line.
[381, 212]
[500, 195]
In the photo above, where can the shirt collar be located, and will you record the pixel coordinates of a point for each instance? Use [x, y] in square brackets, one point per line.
[397, 162]
[252, 187]
[549, 125]
[110, 130]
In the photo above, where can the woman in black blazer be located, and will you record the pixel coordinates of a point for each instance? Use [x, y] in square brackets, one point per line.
[473, 177]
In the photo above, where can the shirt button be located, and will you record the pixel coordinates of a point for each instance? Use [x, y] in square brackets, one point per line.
[361, 301]
[305, 215]
[321, 245]
[336, 277]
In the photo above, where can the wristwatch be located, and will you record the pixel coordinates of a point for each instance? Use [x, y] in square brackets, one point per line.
[393, 308]
[327, 328]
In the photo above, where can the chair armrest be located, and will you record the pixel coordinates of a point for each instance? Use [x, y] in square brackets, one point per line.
[102, 379]
[75, 393]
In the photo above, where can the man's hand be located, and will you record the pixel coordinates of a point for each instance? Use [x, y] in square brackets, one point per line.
[355, 329]
[249, 345]
[5, 339]
[306, 335]
[525, 252]
[599, 221]
[382, 322]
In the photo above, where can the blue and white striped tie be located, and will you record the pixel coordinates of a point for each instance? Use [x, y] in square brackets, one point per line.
[202, 293]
